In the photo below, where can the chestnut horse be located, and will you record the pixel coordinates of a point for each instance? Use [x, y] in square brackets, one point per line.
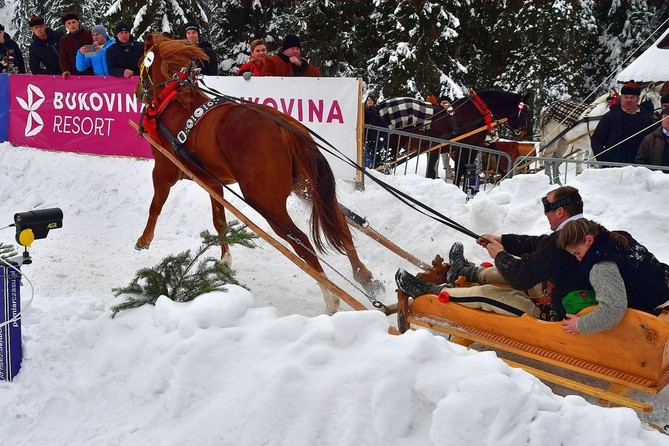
[269, 154]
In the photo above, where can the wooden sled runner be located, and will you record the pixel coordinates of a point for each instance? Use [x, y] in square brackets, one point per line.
[632, 355]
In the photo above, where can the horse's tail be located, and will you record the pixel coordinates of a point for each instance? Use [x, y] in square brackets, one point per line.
[326, 215]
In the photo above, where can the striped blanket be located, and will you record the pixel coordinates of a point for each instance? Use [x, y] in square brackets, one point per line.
[566, 112]
[400, 113]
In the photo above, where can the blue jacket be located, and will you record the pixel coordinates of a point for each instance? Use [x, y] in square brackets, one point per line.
[98, 62]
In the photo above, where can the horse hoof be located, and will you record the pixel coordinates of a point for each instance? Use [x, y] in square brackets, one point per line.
[226, 259]
[139, 247]
[375, 288]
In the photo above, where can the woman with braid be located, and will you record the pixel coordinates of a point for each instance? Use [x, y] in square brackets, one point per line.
[622, 272]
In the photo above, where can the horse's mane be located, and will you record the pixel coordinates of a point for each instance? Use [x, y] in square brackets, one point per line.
[175, 55]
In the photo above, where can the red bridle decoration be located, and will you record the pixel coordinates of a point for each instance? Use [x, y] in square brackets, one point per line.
[483, 109]
[150, 121]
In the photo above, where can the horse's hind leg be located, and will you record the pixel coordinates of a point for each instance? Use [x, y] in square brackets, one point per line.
[162, 183]
[284, 227]
[221, 225]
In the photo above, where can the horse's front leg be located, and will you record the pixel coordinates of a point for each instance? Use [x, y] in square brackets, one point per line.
[221, 225]
[161, 190]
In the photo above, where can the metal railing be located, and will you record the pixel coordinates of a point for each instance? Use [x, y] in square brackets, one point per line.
[401, 153]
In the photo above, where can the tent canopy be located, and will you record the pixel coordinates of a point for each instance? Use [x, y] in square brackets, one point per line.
[651, 66]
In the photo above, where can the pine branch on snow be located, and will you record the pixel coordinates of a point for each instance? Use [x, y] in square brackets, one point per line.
[183, 277]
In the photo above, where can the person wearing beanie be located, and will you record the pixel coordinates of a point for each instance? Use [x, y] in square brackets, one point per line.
[43, 50]
[11, 59]
[288, 63]
[621, 130]
[70, 44]
[256, 61]
[654, 148]
[95, 57]
[123, 56]
[192, 33]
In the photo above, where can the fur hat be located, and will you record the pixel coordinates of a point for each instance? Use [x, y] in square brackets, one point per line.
[631, 88]
[70, 16]
[35, 20]
[192, 25]
[99, 29]
[121, 26]
[665, 98]
[291, 41]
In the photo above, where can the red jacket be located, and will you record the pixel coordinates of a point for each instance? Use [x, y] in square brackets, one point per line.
[279, 65]
[254, 66]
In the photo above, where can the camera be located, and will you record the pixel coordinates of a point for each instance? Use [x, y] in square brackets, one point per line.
[33, 225]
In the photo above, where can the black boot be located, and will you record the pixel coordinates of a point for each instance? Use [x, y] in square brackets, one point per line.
[414, 286]
[459, 265]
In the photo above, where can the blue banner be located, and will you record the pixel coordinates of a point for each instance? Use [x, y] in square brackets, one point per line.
[11, 352]
[4, 107]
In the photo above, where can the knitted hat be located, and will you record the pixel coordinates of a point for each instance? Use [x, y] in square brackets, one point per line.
[70, 16]
[665, 99]
[291, 41]
[631, 88]
[121, 26]
[35, 20]
[192, 25]
[99, 29]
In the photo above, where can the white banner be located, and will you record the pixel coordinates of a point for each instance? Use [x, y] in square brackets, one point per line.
[327, 106]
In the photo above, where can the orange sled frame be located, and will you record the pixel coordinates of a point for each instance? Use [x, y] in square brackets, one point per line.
[632, 355]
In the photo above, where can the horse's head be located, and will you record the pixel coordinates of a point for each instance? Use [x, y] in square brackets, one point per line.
[510, 106]
[165, 60]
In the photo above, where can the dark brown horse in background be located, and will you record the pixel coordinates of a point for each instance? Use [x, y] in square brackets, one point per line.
[464, 116]
[268, 153]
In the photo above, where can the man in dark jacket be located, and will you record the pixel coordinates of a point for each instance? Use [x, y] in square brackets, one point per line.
[654, 148]
[123, 56]
[11, 59]
[533, 263]
[70, 43]
[621, 130]
[43, 51]
[193, 37]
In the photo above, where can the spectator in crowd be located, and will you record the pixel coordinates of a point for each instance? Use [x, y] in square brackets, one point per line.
[375, 147]
[256, 60]
[70, 44]
[11, 59]
[664, 102]
[532, 263]
[288, 61]
[623, 274]
[654, 148]
[95, 57]
[43, 51]
[123, 56]
[193, 37]
[621, 130]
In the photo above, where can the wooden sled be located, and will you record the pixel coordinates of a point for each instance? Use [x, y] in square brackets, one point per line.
[632, 355]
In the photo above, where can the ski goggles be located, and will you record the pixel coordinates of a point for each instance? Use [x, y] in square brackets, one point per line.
[575, 198]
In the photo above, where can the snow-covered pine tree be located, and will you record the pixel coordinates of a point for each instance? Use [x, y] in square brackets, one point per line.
[414, 58]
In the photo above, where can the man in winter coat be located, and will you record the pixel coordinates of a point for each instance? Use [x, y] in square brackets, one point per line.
[621, 130]
[193, 37]
[123, 56]
[11, 59]
[95, 57]
[70, 44]
[288, 62]
[43, 51]
[654, 148]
